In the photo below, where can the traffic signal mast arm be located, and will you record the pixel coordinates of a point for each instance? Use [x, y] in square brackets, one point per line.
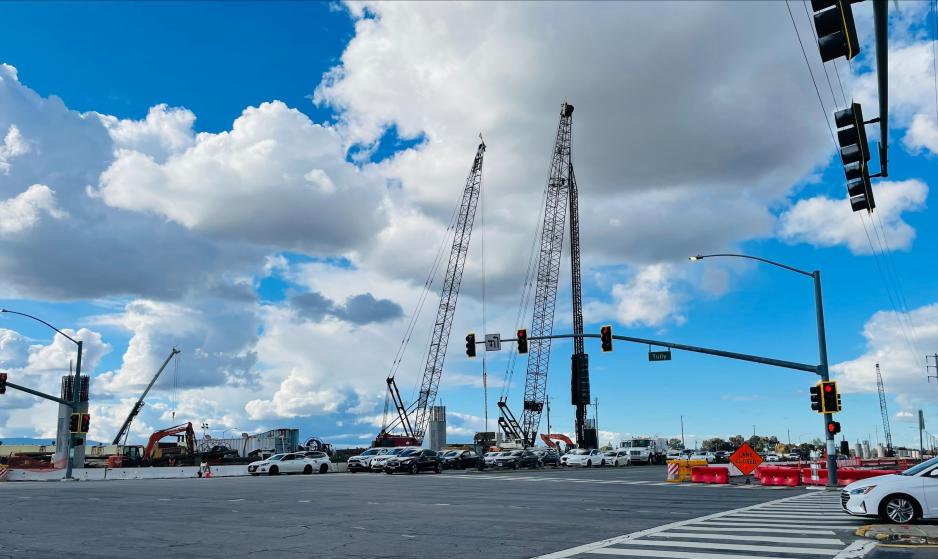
[9, 384]
[672, 345]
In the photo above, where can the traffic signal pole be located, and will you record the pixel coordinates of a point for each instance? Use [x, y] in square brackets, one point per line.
[822, 371]
[76, 397]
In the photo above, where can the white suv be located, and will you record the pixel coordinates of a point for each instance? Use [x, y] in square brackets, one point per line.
[362, 462]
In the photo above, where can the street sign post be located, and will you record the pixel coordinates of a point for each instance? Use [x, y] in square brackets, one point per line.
[746, 459]
[659, 355]
[493, 342]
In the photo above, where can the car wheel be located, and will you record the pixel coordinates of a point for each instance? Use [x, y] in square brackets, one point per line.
[899, 509]
[352, 471]
[589, 463]
[628, 462]
[253, 475]
[514, 466]
[388, 471]
[273, 471]
[602, 463]
[324, 468]
[414, 469]
[436, 469]
[307, 470]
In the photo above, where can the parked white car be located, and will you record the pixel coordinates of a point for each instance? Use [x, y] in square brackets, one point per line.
[701, 455]
[362, 462]
[582, 457]
[290, 463]
[771, 457]
[617, 458]
[380, 461]
[900, 498]
[488, 459]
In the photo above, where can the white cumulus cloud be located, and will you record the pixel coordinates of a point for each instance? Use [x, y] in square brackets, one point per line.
[826, 222]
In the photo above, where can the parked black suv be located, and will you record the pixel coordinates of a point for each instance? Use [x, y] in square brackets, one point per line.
[460, 459]
[413, 461]
[549, 457]
[519, 459]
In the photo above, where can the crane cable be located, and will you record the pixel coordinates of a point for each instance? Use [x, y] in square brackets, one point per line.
[527, 289]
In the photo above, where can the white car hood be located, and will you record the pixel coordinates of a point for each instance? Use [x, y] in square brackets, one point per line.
[878, 480]
[579, 457]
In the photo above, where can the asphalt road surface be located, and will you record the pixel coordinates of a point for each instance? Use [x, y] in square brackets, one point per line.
[554, 513]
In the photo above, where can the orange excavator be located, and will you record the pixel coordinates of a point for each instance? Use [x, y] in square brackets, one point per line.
[172, 455]
[550, 438]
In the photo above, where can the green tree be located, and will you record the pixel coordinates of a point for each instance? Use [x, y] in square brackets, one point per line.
[715, 444]
[736, 441]
[675, 444]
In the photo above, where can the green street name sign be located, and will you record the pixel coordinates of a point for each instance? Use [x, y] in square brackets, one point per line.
[659, 355]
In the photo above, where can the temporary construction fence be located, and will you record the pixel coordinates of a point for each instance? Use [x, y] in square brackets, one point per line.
[710, 474]
[792, 476]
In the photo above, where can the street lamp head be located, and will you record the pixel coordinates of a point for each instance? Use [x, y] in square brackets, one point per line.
[695, 258]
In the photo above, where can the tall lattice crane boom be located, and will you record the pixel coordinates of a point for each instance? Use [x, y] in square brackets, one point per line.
[429, 385]
[548, 273]
[134, 411]
[882, 409]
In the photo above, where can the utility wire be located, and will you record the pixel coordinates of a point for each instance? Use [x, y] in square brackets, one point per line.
[811, 72]
[823, 66]
[934, 59]
[817, 90]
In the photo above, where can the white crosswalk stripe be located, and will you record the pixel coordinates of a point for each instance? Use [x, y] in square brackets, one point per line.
[809, 525]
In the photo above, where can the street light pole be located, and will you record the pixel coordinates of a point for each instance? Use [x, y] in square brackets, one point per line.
[822, 368]
[76, 388]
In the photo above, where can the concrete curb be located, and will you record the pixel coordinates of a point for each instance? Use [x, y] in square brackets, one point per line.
[903, 534]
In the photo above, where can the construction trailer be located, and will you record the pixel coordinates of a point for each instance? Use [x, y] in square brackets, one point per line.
[264, 444]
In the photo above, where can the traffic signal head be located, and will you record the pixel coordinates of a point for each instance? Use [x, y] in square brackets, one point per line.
[74, 422]
[580, 379]
[470, 345]
[85, 423]
[831, 400]
[816, 402]
[833, 427]
[836, 32]
[3, 383]
[605, 336]
[855, 153]
[522, 341]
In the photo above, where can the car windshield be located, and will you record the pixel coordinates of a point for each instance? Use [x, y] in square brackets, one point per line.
[450, 453]
[396, 451]
[921, 467]
[611, 453]
[641, 443]
[373, 451]
[580, 451]
[517, 453]
[410, 452]
[276, 457]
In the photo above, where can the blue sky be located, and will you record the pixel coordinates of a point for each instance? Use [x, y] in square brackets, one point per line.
[398, 128]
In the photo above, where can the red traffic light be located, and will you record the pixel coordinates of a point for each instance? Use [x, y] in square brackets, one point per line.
[522, 341]
[833, 427]
[828, 388]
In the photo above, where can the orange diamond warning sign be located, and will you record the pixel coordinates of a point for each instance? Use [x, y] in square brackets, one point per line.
[746, 459]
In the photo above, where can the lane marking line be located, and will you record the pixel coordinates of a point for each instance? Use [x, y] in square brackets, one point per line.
[739, 547]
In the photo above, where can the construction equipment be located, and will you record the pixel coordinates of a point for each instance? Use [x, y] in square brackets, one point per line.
[561, 189]
[549, 439]
[882, 409]
[317, 444]
[413, 430]
[173, 454]
[125, 428]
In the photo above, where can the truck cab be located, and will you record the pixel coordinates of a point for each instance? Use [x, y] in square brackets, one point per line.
[646, 450]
